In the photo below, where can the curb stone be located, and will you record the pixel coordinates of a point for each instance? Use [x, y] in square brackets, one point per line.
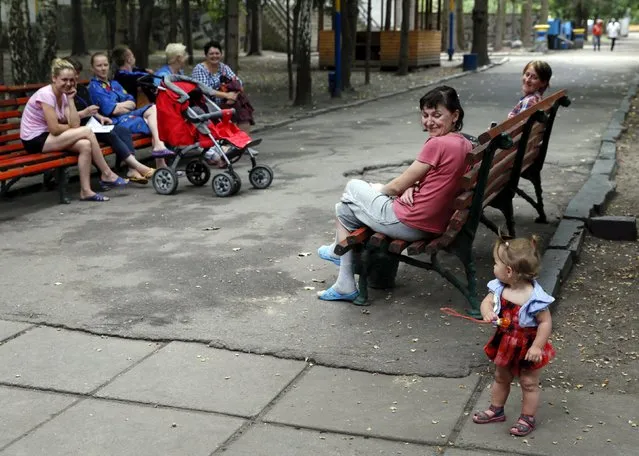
[565, 246]
[353, 104]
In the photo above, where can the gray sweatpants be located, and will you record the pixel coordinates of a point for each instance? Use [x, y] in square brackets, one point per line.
[362, 205]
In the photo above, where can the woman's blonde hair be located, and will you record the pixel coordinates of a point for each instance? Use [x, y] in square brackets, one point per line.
[173, 51]
[59, 65]
[521, 255]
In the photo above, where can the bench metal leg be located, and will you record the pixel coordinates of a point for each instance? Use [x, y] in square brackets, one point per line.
[364, 268]
[509, 212]
[62, 178]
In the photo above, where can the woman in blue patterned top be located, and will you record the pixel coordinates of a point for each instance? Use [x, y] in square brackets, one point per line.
[218, 76]
[116, 103]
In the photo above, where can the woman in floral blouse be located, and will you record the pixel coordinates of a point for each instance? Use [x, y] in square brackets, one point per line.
[227, 86]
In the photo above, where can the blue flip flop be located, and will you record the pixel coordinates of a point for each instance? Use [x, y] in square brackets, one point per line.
[98, 198]
[119, 182]
[324, 253]
[332, 295]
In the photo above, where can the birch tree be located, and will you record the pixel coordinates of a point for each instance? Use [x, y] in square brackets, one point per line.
[303, 86]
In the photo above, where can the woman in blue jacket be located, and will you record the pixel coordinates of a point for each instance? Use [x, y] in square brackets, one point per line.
[116, 103]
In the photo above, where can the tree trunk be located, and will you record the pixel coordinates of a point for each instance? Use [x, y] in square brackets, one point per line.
[144, 33]
[131, 32]
[296, 21]
[121, 21]
[232, 39]
[543, 12]
[46, 42]
[500, 25]
[459, 26]
[513, 12]
[187, 35]
[2, 78]
[173, 20]
[402, 64]
[289, 57]
[369, 39]
[18, 41]
[387, 18]
[304, 92]
[349, 35]
[255, 38]
[480, 32]
[444, 25]
[526, 24]
[78, 44]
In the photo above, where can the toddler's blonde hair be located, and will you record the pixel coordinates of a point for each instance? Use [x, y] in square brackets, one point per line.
[521, 255]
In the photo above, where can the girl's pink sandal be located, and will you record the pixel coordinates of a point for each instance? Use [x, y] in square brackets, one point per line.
[524, 426]
[485, 416]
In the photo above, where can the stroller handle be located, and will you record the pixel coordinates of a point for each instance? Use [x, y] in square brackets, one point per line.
[169, 79]
[194, 116]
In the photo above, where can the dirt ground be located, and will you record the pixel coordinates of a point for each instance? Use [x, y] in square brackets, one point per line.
[596, 328]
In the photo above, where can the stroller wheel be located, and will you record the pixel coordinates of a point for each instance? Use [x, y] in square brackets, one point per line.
[223, 184]
[261, 176]
[237, 182]
[197, 173]
[165, 181]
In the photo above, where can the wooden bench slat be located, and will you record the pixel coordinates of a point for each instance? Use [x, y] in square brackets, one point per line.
[10, 114]
[378, 239]
[14, 102]
[545, 105]
[397, 246]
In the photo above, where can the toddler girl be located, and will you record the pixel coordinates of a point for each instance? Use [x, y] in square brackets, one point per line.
[519, 348]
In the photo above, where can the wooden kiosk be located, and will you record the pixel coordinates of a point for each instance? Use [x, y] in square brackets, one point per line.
[424, 38]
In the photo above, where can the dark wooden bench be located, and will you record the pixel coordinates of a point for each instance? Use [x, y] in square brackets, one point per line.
[16, 163]
[513, 149]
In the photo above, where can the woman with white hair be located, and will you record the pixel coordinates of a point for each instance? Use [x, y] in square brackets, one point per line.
[176, 57]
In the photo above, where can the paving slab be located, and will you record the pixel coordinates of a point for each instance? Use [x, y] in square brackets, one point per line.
[269, 440]
[569, 423]
[109, 428]
[67, 360]
[476, 452]
[569, 236]
[11, 328]
[199, 377]
[22, 410]
[414, 408]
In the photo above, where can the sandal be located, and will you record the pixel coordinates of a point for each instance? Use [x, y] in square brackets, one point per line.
[149, 174]
[119, 182]
[524, 426]
[96, 197]
[486, 416]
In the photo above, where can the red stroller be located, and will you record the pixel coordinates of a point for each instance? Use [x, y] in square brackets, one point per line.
[189, 121]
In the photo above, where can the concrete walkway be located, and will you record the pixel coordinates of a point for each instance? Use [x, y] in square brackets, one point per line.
[136, 327]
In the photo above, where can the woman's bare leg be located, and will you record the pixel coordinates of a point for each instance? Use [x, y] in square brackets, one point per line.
[68, 139]
[83, 149]
[151, 119]
[136, 167]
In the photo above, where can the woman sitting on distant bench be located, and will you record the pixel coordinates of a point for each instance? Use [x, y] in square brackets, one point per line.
[50, 122]
[116, 103]
[119, 138]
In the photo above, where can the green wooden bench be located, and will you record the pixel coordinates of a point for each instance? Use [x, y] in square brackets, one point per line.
[513, 149]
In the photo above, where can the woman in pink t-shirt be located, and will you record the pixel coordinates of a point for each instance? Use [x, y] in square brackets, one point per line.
[51, 123]
[415, 205]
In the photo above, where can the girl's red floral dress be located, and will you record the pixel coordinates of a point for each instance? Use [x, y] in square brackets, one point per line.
[508, 346]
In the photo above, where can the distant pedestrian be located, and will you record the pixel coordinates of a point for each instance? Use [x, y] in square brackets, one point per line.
[518, 306]
[597, 31]
[535, 80]
[613, 29]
